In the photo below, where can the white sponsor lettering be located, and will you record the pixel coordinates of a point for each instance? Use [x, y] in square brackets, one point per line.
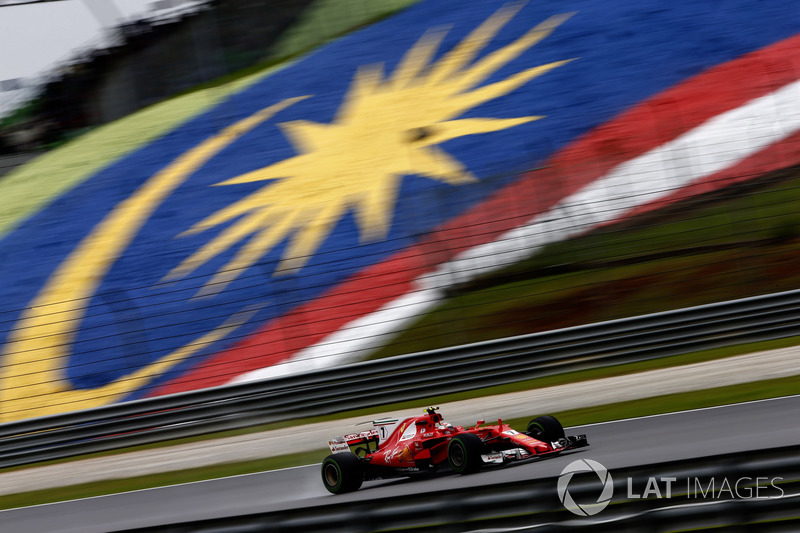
[337, 447]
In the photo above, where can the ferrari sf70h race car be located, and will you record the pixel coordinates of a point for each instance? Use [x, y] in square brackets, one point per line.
[426, 443]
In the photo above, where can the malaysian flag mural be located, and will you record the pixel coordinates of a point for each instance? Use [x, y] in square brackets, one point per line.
[307, 218]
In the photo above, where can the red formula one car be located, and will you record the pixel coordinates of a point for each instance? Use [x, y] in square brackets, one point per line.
[426, 443]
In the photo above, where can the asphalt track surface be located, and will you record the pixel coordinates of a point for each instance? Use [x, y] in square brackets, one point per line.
[618, 444]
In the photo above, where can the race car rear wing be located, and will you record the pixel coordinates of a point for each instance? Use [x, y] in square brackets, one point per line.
[358, 443]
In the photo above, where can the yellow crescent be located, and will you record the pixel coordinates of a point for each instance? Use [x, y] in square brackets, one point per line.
[32, 376]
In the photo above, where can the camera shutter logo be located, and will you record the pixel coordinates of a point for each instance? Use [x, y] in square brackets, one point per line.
[579, 467]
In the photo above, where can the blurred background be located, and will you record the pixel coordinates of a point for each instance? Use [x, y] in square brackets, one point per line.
[618, 162]
[73, 65]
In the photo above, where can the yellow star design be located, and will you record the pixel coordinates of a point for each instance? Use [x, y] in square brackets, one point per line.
[385, 129]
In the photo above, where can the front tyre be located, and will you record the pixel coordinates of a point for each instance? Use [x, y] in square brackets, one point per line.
[464, 453]
[342, 472]
[546, 429]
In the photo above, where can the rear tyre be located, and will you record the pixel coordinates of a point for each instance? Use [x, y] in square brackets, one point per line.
[342, 472]
[546, 429]
[464, 453]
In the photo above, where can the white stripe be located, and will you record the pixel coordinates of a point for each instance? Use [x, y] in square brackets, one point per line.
[355, 340]
[719, 143]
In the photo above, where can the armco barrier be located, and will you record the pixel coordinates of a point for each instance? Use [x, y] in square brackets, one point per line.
[533, 505]
[412, 376]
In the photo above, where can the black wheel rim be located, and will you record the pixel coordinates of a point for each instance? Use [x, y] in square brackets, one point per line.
[536, 431]
[331, 475]
[457, 455]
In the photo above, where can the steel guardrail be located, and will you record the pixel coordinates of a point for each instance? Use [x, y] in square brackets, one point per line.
[401, 378]
[533, 505]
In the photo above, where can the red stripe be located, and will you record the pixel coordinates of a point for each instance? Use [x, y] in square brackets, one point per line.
[638, 130]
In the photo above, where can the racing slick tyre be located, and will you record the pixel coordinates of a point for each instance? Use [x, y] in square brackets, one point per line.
[546, 429]
[464, 453]
[342, 472]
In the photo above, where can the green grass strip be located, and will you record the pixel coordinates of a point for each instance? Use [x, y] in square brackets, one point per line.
[559, 379]
[327, 19]
[30, 187]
